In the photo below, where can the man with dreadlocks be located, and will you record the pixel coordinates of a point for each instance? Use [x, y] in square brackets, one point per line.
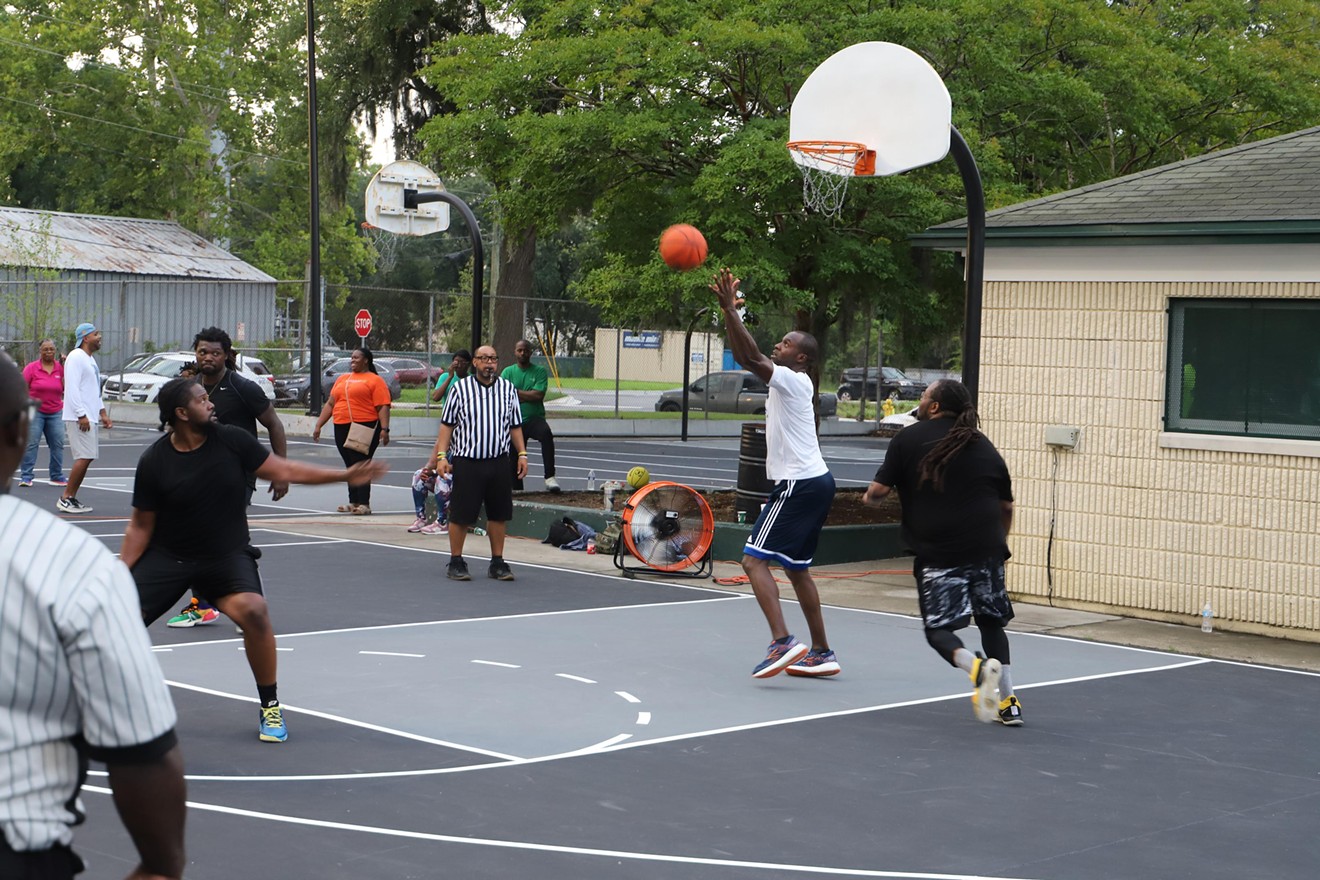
[957, 501]
[189, 529]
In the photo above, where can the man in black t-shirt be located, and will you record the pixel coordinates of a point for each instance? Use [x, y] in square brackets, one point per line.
[240, 403]
[957, 501]
[188, 528]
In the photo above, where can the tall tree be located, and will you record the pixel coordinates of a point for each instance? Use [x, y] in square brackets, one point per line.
[645, 113]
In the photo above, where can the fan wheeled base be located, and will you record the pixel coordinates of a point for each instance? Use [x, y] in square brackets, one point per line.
[703, 568]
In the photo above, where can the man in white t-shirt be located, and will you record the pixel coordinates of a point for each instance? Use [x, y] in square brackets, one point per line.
[84, 412]
[789, 526]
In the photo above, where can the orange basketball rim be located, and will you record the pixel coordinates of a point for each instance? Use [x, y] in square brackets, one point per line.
[654, 511]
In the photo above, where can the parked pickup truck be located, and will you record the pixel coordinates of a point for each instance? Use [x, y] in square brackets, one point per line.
[854, 379]
[731, 391]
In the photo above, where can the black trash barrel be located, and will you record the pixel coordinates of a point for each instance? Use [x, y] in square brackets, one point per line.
[753, 485]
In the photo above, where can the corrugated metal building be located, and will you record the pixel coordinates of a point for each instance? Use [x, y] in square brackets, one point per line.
[147, 284]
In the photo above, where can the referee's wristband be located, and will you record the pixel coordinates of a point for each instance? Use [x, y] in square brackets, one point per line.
[522, 455]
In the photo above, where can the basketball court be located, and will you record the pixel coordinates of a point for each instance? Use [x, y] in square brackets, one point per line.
[576, 724]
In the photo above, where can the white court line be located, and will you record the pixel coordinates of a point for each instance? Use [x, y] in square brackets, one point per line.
[389, 654]
[460, 621]
[543, 567]
[497, 663]
[614, 743]
[241, 648]
[643, 718]
[574, 678]
[577, 850]
[350, 721]
[627, 696]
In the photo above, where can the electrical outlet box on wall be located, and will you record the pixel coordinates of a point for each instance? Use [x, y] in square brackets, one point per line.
[1062, 436]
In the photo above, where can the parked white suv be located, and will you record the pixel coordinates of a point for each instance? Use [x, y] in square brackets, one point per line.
[150, 372]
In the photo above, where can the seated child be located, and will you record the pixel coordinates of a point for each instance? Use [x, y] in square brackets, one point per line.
[425, 482]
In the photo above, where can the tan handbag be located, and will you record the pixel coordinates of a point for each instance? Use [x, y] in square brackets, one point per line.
[359, 436]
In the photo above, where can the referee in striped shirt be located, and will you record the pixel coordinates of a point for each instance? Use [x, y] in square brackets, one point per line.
[480, 420]
[79, 682]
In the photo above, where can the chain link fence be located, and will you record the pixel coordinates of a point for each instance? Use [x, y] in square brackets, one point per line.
[595, 369]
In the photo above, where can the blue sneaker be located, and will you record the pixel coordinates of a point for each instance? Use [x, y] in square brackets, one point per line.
[779, 655]
[272, 729]
[817, 664]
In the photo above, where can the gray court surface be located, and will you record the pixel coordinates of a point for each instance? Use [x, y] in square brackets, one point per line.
[573, 725]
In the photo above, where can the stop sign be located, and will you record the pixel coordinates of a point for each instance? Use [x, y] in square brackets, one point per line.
[362, 323]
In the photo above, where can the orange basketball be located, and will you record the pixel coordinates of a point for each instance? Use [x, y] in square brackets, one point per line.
[682, 247]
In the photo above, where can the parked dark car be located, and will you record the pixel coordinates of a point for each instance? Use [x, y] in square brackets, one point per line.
[412, 372]
[343, 364]
[294, 389]
[731, 391]
[895, 382]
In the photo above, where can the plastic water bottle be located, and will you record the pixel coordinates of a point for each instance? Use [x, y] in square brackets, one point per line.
[1207, 619]
[591, 480]
[478, 531]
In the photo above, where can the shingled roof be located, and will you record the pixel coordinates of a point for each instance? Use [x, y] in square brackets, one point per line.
[1269, 187]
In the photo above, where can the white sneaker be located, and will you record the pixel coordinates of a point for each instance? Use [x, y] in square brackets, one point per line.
[71, 505]
[552, 485]
[418, 524]
[985, 678]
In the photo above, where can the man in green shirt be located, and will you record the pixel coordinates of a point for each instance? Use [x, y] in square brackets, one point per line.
[532, 381]
[459, 365]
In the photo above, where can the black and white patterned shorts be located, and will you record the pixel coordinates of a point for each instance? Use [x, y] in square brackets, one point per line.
[950, 596]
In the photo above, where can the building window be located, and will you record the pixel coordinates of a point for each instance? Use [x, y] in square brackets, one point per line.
[1247, 368]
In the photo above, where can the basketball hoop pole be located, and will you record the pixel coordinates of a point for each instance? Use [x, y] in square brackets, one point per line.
[975, 267]
[411, 199]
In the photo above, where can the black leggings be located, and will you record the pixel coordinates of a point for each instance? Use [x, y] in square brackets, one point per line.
[538, 430]
[993, 640]
[356, 494]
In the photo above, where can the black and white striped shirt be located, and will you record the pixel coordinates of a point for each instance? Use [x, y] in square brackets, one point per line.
[75, 660]
[481, 416]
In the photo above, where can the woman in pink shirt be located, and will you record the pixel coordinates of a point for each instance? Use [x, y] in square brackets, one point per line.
[45, 379]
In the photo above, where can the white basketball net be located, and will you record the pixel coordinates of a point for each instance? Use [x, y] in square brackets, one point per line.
[387, 246]
[826, 168]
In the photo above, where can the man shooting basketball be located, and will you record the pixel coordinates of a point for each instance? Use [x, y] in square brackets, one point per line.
[790, 522]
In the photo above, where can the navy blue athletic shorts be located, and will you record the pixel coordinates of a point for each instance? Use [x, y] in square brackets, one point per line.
[790, 522]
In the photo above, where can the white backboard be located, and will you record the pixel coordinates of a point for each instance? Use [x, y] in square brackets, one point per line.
[879, 94]
[385, 208]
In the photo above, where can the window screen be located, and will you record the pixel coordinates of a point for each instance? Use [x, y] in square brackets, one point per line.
[1244, 367]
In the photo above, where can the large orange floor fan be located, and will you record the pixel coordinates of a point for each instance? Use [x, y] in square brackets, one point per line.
[669, 528]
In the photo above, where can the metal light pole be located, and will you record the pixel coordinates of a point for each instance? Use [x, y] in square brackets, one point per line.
[314, 395]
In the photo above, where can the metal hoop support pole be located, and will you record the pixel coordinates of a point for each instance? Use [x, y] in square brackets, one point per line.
[411, 199]
[971, 177]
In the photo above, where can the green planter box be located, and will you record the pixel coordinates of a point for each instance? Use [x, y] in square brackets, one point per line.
[837, 544]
